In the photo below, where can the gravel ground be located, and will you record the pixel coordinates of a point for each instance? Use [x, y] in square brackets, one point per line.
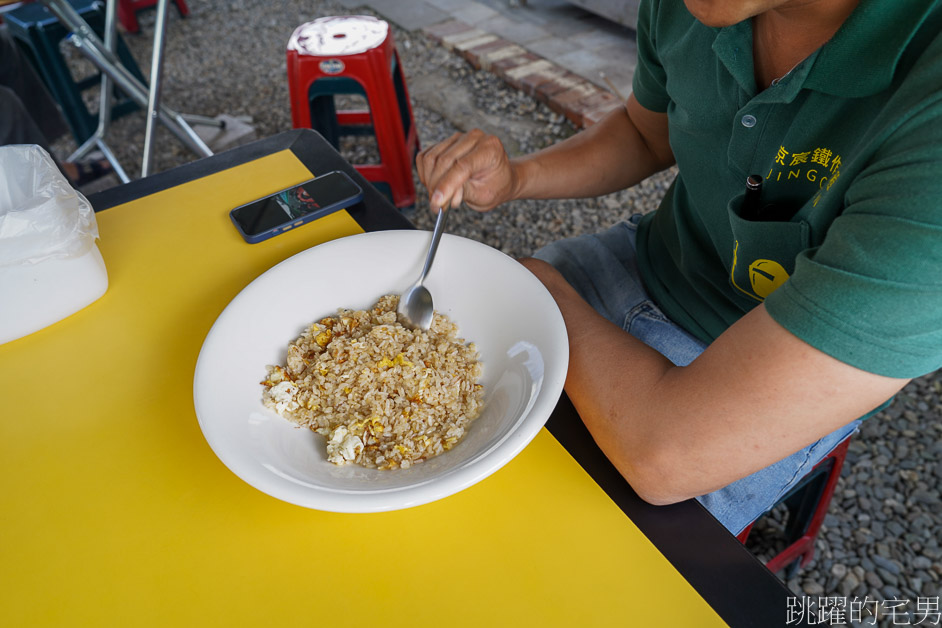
[881, 538]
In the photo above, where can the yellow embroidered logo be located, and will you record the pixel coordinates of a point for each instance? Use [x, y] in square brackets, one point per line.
[765, 276]
[820, 165]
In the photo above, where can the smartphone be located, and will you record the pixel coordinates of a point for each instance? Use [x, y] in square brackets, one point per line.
[287, 209]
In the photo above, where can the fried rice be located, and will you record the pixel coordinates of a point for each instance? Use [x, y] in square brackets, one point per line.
[383, 395]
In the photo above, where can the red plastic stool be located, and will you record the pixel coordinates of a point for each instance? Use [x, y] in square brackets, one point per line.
[127, 12]
[356, 55]
[807, 505]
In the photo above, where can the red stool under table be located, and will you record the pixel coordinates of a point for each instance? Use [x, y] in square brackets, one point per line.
[807, 505]
[356, 55]
[127, 12]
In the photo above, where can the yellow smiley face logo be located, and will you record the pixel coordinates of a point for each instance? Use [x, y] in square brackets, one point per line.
[766, 276]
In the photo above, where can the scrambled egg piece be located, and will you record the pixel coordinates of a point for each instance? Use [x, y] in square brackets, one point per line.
[399, 360]
[276, 375]
[323, 339]
[342, 446]
[283, 394]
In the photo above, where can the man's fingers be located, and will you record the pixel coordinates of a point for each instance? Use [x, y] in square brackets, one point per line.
[456, 150]
[448, 168]
[451, 186]
[457, 198]
[430, 154]
[425, 160]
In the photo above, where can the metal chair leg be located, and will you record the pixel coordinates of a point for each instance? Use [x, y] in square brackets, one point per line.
[97, 140]
[94, 49]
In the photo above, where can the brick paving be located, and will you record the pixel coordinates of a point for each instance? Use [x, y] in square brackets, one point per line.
[578, 63]
[564, 91]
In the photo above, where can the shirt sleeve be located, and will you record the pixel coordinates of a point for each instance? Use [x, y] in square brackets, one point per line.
[871, 294]
[650, 80]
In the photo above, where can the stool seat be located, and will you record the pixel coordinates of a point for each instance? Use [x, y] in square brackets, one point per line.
[355, 55]
[338, 36]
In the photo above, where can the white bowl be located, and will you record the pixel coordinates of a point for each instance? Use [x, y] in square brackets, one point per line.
[497, 304]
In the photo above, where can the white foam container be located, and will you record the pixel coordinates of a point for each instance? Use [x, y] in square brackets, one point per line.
[34, 296]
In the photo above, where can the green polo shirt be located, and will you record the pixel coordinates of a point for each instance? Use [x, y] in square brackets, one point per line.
[850, 146]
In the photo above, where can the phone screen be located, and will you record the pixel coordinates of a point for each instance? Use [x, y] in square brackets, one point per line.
[320, 194]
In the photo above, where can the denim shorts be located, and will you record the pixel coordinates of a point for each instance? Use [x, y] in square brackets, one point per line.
[603, 268]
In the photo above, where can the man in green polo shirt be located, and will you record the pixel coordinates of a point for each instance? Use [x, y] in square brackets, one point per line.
[758, 336]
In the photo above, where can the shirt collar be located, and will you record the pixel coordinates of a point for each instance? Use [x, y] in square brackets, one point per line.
[859, 60]
[733, 47]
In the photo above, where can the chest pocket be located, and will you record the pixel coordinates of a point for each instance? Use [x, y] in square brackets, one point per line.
[762, 254]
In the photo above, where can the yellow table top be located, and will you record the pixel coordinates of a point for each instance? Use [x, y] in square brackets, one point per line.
[116, 511]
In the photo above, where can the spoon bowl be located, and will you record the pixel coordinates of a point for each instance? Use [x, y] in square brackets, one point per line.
[416, 308]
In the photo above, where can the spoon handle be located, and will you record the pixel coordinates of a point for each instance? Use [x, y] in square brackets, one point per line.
[436, 237]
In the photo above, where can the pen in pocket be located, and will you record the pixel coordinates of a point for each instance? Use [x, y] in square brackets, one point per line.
[753, 207]
[752, 201]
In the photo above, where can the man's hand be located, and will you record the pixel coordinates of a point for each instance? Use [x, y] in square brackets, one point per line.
[468, 167]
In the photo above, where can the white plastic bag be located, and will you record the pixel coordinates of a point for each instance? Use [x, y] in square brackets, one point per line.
[50, 266]
[41, 215]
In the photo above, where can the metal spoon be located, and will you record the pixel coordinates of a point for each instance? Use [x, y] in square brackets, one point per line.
[415, 304]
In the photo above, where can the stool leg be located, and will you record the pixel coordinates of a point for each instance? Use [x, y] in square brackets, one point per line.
[298, 91]
[128, 16]
[792, 569]
[803, 505]
[182, 9]
[55, 73]
[390, 144]
[405, 105]
[324, 119]
[809, 504]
